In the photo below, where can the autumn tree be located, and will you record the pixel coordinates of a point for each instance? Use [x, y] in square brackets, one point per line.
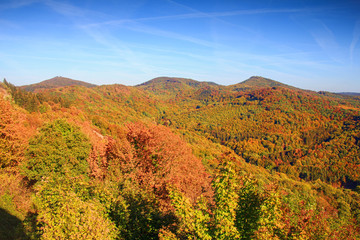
[14, 135]
[67, 208]
[159, 158]
[59, 149]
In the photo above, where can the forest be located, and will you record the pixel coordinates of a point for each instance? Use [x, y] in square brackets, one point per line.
[176, 158]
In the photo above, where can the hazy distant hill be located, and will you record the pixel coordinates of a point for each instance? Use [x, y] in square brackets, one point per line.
[55, 83]
[257, 82]
[349, 93]
[345, 96]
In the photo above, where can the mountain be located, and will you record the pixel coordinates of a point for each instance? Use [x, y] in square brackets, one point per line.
[257, 82]
[165, 81]
[55, 83]
[171, 86]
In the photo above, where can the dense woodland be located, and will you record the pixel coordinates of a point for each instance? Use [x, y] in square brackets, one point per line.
[178, 159]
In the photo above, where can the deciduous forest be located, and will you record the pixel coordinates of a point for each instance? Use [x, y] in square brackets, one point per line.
[176, 158]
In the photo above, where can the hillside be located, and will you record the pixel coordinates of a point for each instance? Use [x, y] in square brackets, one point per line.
[55, 83]
[256, 82]
[168, 159]
[166, 86]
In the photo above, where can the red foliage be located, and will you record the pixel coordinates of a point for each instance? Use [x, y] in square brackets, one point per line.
[158, 158]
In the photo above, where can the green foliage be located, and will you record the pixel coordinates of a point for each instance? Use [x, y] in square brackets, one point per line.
[58, 149]
[34, 102]
[226, 198]
[65, 214]
[141, 217]
[271, 224]
[193, 221]
[227, 218]
[27, 100]
[248, 212]
[241, 210]
[120, 214]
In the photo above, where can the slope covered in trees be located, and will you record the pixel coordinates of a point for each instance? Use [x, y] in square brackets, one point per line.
[302, 134]
[257, 82]
[177, 159]
[55, 83]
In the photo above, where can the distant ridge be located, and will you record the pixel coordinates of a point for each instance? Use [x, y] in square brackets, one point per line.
[349, 93]
[173, 80]
[55, 83]
[258, 82]
[171, 85]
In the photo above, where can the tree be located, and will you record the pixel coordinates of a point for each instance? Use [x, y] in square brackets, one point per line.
[59, 149]
[13, 136]
[248, 211]
[64, 211]
[204, 221]
[226, 197]
[158, 158]
[193, 220]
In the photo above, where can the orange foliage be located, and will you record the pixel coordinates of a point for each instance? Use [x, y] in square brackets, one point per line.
[16, 128]
[159, 158]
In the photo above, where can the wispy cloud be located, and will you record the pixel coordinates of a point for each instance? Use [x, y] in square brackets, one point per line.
[134, 26]
[65, 8]
[98, 34]
[326, 40]
[198, 14]
[16, 4]
[120, 48]
[355, 40]
[77, 14]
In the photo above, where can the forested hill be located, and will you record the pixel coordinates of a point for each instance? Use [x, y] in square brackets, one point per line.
[257, 82]
[55, 83]
[172, 82]
[170, 87]
[176, 158]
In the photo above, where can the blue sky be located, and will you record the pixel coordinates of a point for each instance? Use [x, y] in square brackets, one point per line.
[309, 44]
